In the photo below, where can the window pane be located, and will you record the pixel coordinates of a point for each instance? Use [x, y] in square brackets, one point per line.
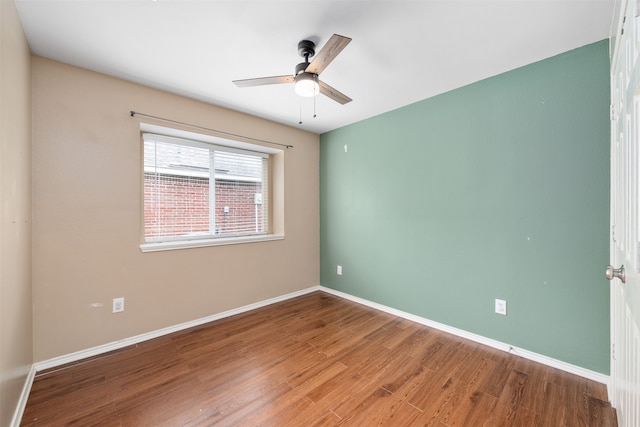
[176, 190]
[238, 193]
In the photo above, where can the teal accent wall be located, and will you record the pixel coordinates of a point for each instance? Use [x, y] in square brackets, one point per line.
[499, 189]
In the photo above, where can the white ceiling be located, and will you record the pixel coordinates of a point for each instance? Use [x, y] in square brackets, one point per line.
[402, 51]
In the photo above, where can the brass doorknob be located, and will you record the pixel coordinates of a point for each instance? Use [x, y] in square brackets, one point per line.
[611, 272]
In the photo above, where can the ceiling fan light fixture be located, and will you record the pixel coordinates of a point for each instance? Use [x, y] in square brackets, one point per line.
[306, 84]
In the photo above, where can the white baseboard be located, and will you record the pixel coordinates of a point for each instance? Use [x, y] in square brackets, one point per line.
[536, 357]
[101, 349]
[105, 348]
[24, 396]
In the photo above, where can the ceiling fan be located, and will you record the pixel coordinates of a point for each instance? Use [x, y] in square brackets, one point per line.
[306, 77]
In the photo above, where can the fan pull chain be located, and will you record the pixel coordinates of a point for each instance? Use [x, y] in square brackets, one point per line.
[300, 122]
[314, 99]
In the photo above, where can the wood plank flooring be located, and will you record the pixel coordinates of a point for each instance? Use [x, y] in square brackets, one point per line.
[316, 360]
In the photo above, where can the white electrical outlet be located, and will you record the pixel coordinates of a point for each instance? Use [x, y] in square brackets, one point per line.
[339, 270]
[501, 306]
[118, 305]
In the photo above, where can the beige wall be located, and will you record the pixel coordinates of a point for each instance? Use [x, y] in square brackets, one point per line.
[16, 348]
[87, 213]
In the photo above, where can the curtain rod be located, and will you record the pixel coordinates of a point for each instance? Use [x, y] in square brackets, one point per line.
[133, 113]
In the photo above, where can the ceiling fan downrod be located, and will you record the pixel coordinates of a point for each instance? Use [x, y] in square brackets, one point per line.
[306, 49]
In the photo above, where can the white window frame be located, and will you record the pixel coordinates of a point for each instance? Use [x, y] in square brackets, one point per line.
[187, 242]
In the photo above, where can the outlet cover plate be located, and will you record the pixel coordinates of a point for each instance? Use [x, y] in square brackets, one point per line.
[118, 305]
[501, 307]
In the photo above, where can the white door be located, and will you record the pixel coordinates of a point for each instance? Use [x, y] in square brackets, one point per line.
[625, 230]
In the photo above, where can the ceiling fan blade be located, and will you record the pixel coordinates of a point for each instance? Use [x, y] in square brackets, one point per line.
[261, 81]
[328, 53]
[334, 94]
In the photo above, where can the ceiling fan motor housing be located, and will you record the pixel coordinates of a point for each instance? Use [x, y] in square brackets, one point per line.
[301, 67]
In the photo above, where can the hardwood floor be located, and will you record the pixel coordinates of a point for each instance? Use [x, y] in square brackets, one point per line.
[316, 360]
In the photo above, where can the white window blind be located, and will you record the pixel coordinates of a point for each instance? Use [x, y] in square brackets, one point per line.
[197, 190]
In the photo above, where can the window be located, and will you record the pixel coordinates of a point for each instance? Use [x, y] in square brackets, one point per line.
[200, 193]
